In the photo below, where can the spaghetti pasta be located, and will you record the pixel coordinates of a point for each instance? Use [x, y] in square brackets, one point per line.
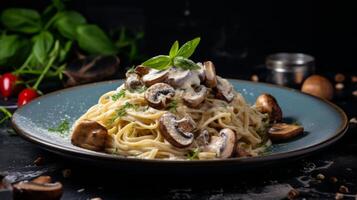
[134, 125]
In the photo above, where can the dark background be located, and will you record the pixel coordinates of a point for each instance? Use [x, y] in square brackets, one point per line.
[236, 35]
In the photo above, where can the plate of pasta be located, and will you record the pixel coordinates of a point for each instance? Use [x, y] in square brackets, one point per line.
[172, 110]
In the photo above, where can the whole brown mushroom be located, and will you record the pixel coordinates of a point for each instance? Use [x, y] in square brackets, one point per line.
[318, 86]
[266, 103]
[90, 135]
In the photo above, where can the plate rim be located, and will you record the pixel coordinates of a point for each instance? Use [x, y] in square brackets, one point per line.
[92, 155]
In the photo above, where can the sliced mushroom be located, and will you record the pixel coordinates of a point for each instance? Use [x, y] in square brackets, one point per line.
[210, 71]
[224, 89]
[186, 124]
[30, 190]
[266, 103]
[90, 135]
[159, 95]
[177, 77]
[195, 97]
[224, 144]
[283, 131]
[133, 81]
[155, 76]
[141, 70]
[178, 135]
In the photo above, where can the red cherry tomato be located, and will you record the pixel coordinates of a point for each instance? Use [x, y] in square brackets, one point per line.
[25, 96]
[7, 84]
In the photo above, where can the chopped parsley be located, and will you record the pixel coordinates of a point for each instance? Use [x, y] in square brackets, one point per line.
[62, 128]
[119, 95]
[141, 89]
[193, 154]
[131, 69]
[172, 106]
[122, 111]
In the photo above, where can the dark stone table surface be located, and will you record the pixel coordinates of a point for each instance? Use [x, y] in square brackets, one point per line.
[318, 176]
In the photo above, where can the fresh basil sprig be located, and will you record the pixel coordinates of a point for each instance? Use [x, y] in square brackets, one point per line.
[178, 57]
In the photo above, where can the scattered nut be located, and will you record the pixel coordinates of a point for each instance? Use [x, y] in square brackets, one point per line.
[254, 78]
[318, 86]
[293, 194]
[320, 176]
[339, 86]
[338, 196]
[339, 78]
[39, 161]
[333, 179]
[66, 173]
[343, 189]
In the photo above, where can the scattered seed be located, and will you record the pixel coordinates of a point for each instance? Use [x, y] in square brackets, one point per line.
[254, 78]
[39, 161]
[293, 194]
[320, 176]
[343, 189]
[333, 179]
[339, 196]
[339, 86]
[66, 173]
[80, 190]
[339, 78]
[354, 79]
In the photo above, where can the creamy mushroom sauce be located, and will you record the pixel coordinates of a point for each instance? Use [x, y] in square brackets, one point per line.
[188, 119]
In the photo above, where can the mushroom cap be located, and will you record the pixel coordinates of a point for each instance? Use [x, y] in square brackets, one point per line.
[224, 89]
[195, 96]
[210, 71]
[133, 81]
[266, 103]
[224, 144]
[159, 95]
[178, 136]
[155, 76]
[30, 190]
[177, 77]
[283, 131]
[141, 70]
[90, 135]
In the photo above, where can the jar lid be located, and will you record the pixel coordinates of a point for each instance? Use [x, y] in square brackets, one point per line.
[289, 61]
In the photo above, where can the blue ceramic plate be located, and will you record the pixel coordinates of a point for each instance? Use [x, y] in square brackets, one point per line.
[324, 123]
